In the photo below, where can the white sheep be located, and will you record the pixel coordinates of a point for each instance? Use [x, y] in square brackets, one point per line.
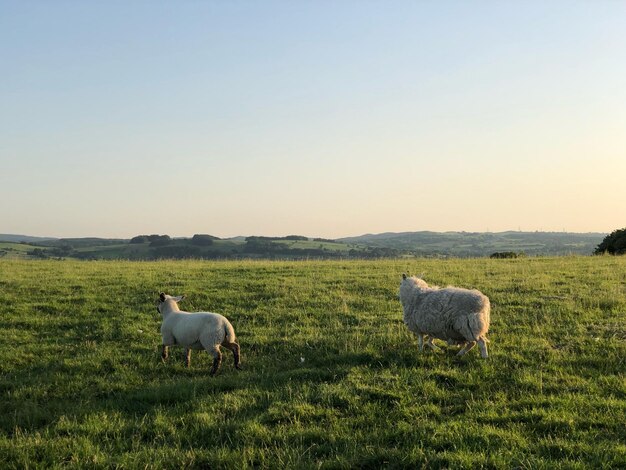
[201, 330]
[459, 316]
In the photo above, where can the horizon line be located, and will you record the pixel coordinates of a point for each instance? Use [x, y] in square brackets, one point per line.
[307, 236]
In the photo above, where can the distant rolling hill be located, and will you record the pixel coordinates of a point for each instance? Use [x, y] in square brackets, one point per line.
[382, 245]
[477, 244]
[23, 238]
[152, 247]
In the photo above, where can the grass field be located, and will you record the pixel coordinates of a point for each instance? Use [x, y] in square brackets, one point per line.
[331, 376]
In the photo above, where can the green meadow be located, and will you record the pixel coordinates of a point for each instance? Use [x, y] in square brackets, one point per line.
[332, 378]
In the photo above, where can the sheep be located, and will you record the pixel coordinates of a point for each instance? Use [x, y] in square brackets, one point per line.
[201, 330]
[458, 316]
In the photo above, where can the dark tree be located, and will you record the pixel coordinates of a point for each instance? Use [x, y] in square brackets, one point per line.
[159, 240]
[61, 251]
[260, 245]
[202, 240]
[614, 243]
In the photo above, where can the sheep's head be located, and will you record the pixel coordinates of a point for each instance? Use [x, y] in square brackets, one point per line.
[409, 284]
[414, 280]
[403, 286]
[169, 302]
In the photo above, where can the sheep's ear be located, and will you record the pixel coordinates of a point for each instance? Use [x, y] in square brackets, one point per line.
[403, 275]
[162, 296]
[179, 298]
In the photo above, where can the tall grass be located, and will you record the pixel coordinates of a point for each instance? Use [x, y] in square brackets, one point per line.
[332, 377]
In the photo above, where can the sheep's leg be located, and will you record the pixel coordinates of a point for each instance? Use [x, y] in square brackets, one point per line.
[482, 344]
[217, 360]
[420, 342]
[164, 353]
[234, 347]
[468, 346]
[187, 356]
[432, 345]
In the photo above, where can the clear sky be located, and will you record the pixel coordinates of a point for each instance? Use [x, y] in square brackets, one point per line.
[319, 118]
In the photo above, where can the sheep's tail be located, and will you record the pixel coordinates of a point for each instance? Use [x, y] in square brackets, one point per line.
[229, 332]
[478, 322]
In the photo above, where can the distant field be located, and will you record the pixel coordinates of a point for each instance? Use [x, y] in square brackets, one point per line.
[13, 250]
[311, 244]
[331, 377]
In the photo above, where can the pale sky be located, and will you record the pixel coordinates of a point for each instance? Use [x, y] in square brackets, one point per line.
[319, 118]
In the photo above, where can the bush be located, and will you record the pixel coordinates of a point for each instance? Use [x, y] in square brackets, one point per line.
[38, 253]
[614, 243]
[505, 255]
